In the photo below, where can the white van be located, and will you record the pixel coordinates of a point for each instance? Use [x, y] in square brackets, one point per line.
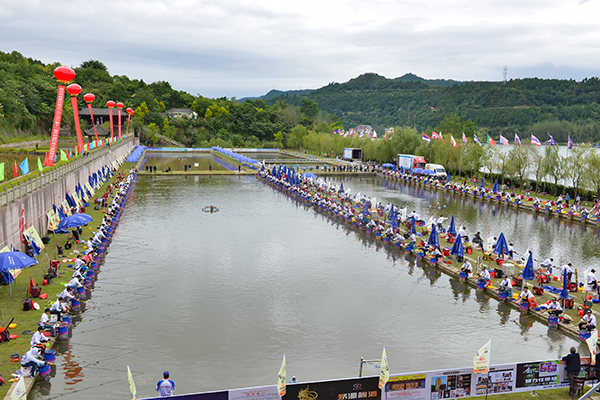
[439, 170]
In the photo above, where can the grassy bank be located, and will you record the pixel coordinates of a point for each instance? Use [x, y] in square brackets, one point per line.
[12, 306]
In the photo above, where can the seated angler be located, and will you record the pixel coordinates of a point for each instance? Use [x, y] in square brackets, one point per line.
[554, 307]
[588, 322]
[467, 268]
[38, 337]
[31, 360]
[58, 307]
[506, 286]
[45, 322]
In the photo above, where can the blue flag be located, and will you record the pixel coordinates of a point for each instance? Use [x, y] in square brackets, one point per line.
[24, 166]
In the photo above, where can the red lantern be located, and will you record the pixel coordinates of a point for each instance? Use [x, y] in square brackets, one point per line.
[110, 104]
[120, 105]
[64, 74]
[89, 97]
[74, 89]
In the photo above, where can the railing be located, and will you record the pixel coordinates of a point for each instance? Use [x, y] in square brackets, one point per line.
[8, 195]
[169, 140]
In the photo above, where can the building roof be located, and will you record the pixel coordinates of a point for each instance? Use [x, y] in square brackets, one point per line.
[102, 131]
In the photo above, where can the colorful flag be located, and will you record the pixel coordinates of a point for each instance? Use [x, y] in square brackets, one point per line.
[551, 141]
[592, 343]
[435, 135]
[131, 383]
[70, 154]
[40, 166]
[24, 166]
[491, 141]
[453, 141]
[464, 138]
[426, 138]
[504, 140]
[19, 392]
[16, 169]
[476, 139]
[535, 141]
[375, 134]
[481, 362]
[517, 139]
[63, 156]
[1, 171]
[281, 386]
[570, 143]
[384, 370]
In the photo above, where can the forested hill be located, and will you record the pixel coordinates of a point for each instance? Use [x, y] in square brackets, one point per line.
[559, 107]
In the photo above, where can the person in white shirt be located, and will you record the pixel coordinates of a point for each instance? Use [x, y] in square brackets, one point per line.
[75, 283]
[592, 282]
[554, 307]
[58, 307]
[588, 322]
[485, 275]
[38, 337]
[30, 359]
[440, 221]
[467, 268]
[569, 271]
[506, 285]
[45, 322]
[79, 262]
[463, 234]
[66, 294]
[526, 294]
[548, 264]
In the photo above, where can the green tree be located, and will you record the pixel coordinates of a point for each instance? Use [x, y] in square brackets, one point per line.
[537, 165]
[296, 136]
[519, 163]
[554, 166]
[577, 167]
[278, 137]
[474, 158]
[309, 108]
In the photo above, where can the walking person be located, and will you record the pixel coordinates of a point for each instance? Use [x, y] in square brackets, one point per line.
[166, 386]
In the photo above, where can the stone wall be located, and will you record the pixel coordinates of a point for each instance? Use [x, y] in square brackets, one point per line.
[37, 196]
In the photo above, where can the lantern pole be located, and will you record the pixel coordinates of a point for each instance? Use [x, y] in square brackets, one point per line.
[89, 98]
[111, 104]
[63, 74]
[120, 107]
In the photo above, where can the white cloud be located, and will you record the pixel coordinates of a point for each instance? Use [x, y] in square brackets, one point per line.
[240, 48]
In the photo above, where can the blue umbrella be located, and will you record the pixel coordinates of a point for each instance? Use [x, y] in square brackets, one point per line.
[341, 188]
[501, 247]
[308, 175]
[274, 172]
[418, 170]
[413, 226]
[74, 220]
[388, 165]
[262, 168]
[394, 220]
[448, 178]
[482, 185]
[457, 248]
[528, 273]
[434, 240]
[564, 293]
[452, 227]
[495, 188]
[36, 250]
[11, 260]
[366, 209]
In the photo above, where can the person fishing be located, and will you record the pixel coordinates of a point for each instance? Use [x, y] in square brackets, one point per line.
[467, 268]
[554, 307]
[588, 322]
[477, 240]
[506, 286]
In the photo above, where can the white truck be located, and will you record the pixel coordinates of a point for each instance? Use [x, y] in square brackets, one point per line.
[351, 154]
[440, 171]
[409, 161]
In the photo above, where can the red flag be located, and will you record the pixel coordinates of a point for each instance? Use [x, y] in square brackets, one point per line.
[16, 169]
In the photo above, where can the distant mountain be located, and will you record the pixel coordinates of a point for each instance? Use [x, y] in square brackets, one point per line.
[277, 93]
[410, 77]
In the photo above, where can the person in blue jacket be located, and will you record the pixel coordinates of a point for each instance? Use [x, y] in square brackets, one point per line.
[166, 386]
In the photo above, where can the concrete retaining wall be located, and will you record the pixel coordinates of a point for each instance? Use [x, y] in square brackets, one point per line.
[37, 196]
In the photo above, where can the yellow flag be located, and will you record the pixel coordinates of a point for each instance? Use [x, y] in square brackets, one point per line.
[481, 362]
[19, 392]
[592, 343]
[131, 383]
[281, 378]
[384, 371]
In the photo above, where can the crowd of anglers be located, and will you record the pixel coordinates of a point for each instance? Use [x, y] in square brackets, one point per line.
[56, 320]
[395, 225]
[560, 207]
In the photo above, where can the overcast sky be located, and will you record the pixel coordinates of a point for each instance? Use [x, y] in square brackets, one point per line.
[246, 48]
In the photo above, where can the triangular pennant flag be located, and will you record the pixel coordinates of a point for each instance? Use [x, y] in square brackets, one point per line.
[40, 166]
[24, 166]
[63, 156]
[1, 171]
[281, 384]
[16, 169]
